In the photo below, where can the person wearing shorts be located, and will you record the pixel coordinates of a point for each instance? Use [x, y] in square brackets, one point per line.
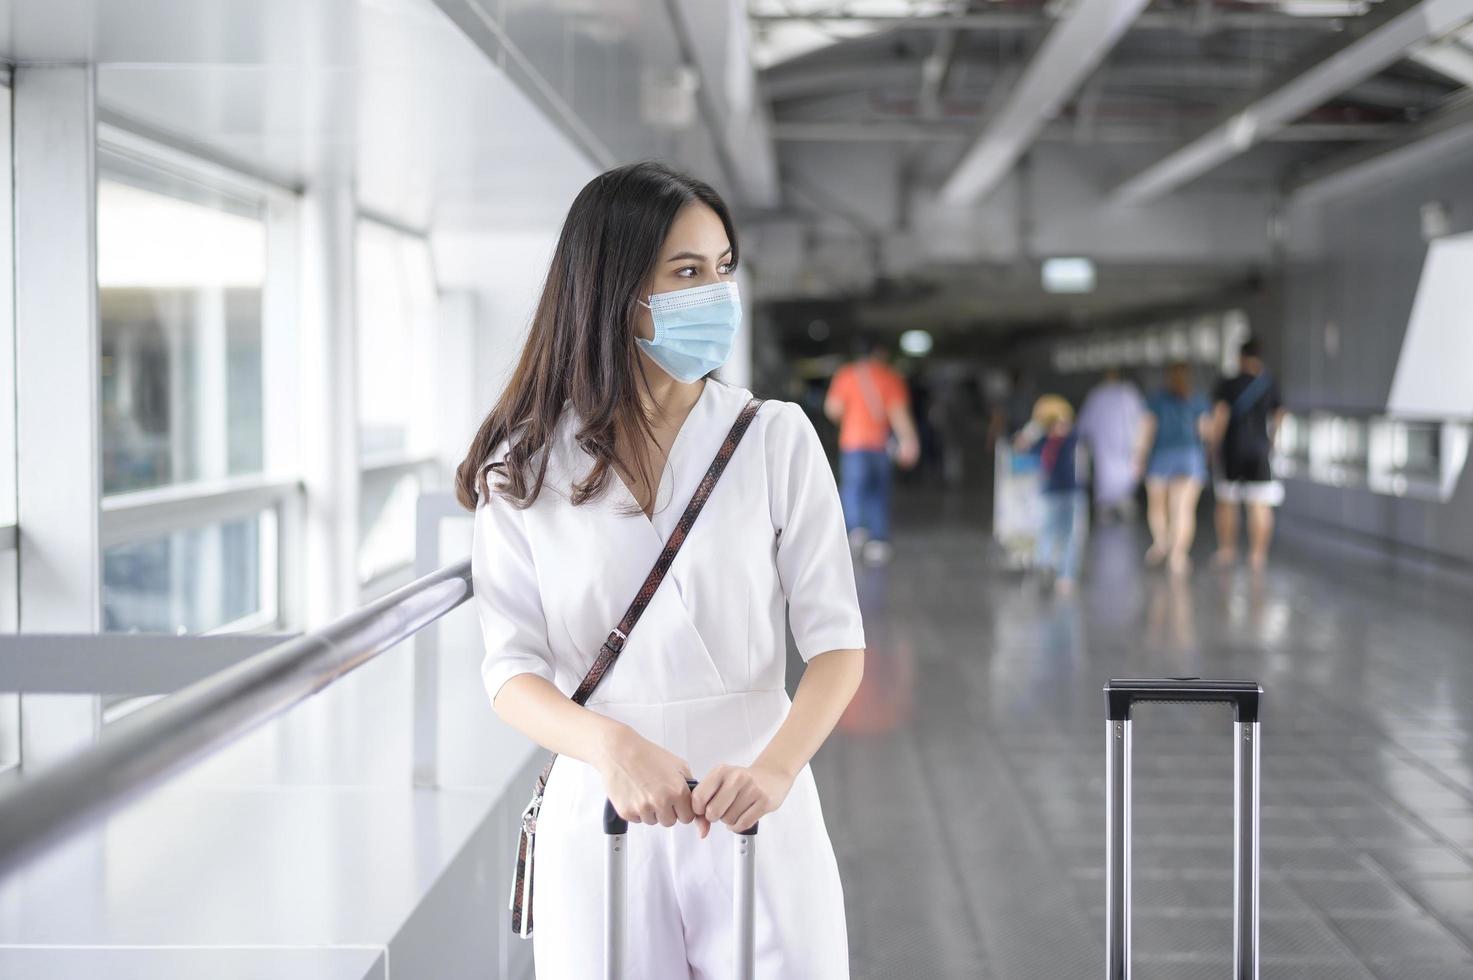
[1174, 460]
[1245, 419]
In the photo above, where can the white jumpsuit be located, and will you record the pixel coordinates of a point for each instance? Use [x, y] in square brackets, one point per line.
[702, 674]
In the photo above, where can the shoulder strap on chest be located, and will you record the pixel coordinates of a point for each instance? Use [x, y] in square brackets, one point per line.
[614, 643]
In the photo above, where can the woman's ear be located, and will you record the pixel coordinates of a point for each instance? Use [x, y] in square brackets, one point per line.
[644, 322]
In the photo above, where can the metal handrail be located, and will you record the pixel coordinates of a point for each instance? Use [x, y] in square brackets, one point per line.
[142, 748]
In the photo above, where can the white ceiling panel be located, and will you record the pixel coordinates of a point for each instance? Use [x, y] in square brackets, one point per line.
[388, 93]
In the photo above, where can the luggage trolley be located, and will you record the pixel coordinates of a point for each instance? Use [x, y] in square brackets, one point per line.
[1244, 696]
[616, 830]
[1017, 504]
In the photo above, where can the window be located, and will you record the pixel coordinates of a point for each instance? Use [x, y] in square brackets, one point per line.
[190, 526]
[397, 305]
[396, 318]
[193, 580]
[179, 304]
[1291, 446]
[9, 585]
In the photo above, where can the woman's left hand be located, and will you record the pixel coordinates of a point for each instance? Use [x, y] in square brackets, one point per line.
[739, 796]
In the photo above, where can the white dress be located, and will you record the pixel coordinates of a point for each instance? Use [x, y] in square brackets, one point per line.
[702, 674]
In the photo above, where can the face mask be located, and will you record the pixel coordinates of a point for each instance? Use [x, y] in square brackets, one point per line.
[694, 329]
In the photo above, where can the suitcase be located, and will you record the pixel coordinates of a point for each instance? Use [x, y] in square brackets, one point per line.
[1244, 696]
[616, 830]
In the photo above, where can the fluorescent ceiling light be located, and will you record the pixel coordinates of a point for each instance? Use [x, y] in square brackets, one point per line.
[1071, 275]
[916, 343]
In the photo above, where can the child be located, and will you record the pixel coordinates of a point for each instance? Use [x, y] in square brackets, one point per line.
[1051, 436]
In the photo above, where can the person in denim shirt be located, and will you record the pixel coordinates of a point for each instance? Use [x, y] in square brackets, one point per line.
[1064, 471]
[1174, 460]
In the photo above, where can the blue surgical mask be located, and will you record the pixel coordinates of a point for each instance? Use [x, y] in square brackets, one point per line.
[694, 329]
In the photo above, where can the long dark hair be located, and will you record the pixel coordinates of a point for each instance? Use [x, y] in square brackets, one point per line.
[581, 345]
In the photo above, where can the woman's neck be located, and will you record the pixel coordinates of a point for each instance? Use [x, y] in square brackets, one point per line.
[665, 397]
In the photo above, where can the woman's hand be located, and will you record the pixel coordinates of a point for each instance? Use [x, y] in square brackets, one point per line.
[644, 782]
[739, 796]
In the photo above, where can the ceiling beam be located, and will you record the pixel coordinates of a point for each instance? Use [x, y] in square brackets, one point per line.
[934, 71]
[1389, 34]
[1073, 48]
[907, 131]
[1220, 79]
[1434, 138]
[1451, 57]
[1203, 20]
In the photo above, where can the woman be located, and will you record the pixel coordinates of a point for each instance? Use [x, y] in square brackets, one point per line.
[1171, 454]
[577, 477]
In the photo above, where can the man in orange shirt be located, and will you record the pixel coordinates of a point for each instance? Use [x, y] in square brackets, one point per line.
[869, 401]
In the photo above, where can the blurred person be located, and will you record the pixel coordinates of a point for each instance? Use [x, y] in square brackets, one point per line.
[1051, 436]
[1246, 415]
[1172, 455]
[579, 479]
[869, 402]
[1110, 425]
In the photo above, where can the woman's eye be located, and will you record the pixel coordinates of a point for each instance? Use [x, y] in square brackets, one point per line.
[727, 268]
[687, 272]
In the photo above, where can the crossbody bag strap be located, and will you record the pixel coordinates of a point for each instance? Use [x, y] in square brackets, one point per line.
[864, 376]
[1250, 395]
[613, 644]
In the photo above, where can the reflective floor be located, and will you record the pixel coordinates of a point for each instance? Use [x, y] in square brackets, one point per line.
[965, 791]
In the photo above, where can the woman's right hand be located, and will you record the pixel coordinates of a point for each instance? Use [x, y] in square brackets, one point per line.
[646, 783]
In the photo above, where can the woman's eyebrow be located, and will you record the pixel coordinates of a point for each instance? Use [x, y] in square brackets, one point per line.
[682, 256]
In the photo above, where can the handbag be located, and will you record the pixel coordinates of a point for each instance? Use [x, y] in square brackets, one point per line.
[521, 888]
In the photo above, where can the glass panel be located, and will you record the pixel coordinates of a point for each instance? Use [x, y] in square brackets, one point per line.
[192, 580]
[179, 304]
[9, 701]
[386, 521]
[1418, 448]
[396, 308]
[1293, 437]
[7, 329]
[9, 584]
[1349, 441]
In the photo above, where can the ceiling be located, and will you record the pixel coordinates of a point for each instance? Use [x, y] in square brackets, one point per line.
[880, 107]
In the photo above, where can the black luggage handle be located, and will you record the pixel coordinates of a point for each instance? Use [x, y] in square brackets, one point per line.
[615, 824]
[1242, 695]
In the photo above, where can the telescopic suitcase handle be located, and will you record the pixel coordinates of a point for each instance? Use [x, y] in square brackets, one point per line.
[615, 824]
[1244, 696]
[616, 829]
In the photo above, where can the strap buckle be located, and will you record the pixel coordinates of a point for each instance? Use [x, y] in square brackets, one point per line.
[529, 815]
[615, 640]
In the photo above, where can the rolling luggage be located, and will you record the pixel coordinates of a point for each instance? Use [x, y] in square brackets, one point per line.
[616, 829]
[1244, 696]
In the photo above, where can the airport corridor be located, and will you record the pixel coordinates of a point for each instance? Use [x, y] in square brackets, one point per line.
[965, 788]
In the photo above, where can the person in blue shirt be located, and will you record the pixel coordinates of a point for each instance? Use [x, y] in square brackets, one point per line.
[1063, 468]
[1174, 460]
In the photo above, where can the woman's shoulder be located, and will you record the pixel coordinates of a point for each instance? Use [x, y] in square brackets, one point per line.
[776, 419]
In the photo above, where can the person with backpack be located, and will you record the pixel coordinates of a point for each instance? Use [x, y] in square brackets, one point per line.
[1247, 412]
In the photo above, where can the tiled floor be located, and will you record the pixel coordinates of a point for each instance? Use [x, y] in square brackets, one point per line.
[965, 791]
